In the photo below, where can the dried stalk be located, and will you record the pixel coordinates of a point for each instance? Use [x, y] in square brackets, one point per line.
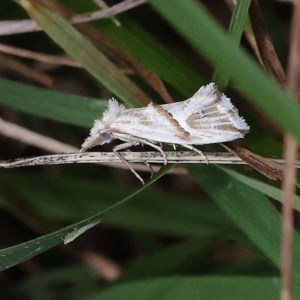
[290, 154]
[175, 157]
[103, 5]
[46, 58]
[32, 138]
[16, 27]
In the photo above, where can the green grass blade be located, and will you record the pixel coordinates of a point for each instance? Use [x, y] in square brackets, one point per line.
[194, 287]
[72, 109]
[12, 256]
[237, 24]
[170, 260]
[266, 189]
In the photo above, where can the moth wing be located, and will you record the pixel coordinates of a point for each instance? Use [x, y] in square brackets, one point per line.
[151, 123]
[209, 117]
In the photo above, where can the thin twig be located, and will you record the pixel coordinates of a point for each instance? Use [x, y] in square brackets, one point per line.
[174, 157]
[18, 67]
[46, 58]
[288, 194]
[32, 138]
[103, 5]
[16, 27]
[109, 12]
[290, 153]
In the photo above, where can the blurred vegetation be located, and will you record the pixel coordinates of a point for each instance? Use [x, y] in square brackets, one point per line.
[213, 233]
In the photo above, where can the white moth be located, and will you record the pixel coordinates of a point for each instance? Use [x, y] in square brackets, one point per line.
[207, 117]
[76, 232]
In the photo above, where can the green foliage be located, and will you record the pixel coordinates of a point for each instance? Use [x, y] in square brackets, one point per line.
[57, 106]
[175, 237]
[192, 287]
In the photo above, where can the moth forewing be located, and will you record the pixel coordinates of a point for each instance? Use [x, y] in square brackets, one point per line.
[207, 117]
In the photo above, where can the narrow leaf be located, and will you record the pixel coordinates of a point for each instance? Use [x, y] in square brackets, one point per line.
[12, 256]
[72, 109]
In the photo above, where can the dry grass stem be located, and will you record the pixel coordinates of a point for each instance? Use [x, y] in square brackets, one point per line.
[290, 154]
[17, 67]
[16, 27]
[174, 157]
[266, 166]
[103, 5]
[264, 43]
[29, 137]
[49, 59]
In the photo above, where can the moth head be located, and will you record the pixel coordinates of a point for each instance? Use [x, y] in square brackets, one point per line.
[99, 133]
[98, 136]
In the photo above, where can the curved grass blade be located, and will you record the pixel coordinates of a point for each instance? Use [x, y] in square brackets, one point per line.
[12, 256]
[266, 189]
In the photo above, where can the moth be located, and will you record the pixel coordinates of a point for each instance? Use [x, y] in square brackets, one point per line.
[76, 232]
[207, 117]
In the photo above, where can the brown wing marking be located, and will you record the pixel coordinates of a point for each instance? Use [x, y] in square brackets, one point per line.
[169, 117]
[192, 119]
[202, 123]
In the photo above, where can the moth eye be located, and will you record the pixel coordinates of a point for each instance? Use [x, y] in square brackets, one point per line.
[104, 136]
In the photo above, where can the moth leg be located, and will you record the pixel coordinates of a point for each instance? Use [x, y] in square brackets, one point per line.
[146, 164]
[150, 168]
[157, 148]
[124, 146]
[142, 141]
[196, 150]
[174, 147]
